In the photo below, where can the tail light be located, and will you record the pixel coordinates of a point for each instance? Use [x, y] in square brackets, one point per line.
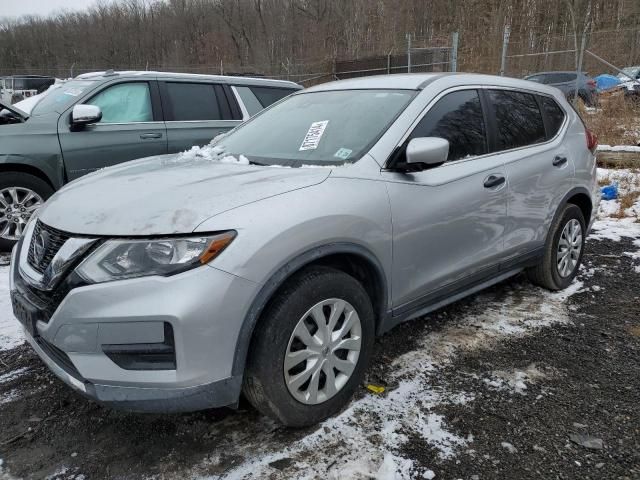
[592, 141]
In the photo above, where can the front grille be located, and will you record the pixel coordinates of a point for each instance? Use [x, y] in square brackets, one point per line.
[46, 301]
[55, 240]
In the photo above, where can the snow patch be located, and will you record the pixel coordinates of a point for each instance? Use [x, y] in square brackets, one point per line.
[28, 103]
[514, 381]
[10, 329]
[9, 396]
[211, 153]
[615, 229]
[10, 376]
[509, 447]
[618, 148]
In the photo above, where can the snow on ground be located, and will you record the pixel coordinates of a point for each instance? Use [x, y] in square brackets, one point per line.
[10, 376]
[628, 184]
[366, 439]
[618, 148]
[10, 329]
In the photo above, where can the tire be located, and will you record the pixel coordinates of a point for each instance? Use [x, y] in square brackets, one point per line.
[265, 380]
[23, 182]
[548, 273]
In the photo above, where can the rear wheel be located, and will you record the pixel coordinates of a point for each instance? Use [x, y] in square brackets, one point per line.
[311, 349]
[21, 194]
[563, 251]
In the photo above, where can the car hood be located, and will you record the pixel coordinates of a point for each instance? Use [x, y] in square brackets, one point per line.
[15, 110]
[166, 195]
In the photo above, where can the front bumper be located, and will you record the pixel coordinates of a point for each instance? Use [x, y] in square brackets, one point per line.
[205, 308]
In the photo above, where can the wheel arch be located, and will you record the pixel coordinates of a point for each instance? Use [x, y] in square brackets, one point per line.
[351, 258]
[578, 196]
[29, 169]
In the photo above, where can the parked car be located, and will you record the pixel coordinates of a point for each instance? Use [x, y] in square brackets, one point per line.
[630, 73]
[566, 82]
[102, 119]
[16, 88]
[175, 283]
[630, 83]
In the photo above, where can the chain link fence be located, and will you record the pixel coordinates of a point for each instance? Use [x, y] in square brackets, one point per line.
[525, 54]
[517, 54]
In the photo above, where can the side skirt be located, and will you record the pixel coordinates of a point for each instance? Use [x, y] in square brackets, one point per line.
[458, 291]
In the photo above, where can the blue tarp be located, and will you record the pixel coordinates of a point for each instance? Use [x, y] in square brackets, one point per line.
[605, 82]
[610, 192]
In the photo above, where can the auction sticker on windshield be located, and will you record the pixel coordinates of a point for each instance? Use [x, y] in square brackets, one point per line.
[313, 136]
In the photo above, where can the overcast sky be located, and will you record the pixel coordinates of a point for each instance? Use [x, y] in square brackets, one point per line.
[15, 8]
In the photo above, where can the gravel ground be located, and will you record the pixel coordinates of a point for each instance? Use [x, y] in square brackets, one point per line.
[512, 383]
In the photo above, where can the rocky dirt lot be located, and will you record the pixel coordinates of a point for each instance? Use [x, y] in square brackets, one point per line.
[515, 382]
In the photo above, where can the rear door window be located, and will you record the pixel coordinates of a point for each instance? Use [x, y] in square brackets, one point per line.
[554, 115]
[123, 103]
[191, 102]
[518, 118]
[458, 118]
[270, 95]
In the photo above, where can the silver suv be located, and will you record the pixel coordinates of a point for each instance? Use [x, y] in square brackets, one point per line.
[175, 283]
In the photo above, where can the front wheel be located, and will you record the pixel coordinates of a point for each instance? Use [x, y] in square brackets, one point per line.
[311, 348]
[563, 251]
[21, 195]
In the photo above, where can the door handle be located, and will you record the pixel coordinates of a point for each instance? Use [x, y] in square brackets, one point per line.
[493, 181]
[559, 161]
[147, 136]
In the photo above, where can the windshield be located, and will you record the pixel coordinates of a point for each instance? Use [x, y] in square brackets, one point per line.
[317, 128]
[61, 98]
[631, 73]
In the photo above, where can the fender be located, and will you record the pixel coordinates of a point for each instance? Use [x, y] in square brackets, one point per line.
[574, 191]
[283, 273]
[51, 172]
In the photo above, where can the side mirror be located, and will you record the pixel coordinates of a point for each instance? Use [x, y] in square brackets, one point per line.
[85, 114]
[427, 150]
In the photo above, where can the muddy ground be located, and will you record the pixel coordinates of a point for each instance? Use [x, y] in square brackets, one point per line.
[559, 401]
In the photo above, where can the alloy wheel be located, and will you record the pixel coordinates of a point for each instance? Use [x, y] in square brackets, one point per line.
[323, 351]
[17, 204]
[569, 248]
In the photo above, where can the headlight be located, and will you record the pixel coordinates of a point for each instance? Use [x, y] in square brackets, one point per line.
[120, 259]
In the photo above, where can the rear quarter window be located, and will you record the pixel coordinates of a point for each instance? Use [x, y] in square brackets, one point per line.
[518, 119]
[270, 95]
[554, 114]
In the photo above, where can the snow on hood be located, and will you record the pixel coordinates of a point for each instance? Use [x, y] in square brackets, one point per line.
[28, 103]
[168, 194]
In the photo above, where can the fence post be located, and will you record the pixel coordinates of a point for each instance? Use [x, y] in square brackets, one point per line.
[454, 52]
[408, 53]
[389, 63]
[505, 47]
[580, 57]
